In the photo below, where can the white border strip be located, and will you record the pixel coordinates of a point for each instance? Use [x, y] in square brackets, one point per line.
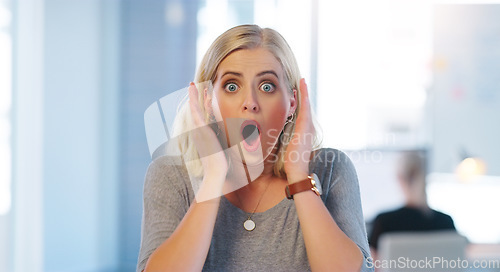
[28, 133]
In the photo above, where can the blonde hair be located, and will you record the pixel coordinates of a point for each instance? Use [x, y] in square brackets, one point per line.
[238, 38]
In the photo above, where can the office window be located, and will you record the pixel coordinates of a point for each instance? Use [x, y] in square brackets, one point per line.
[373, 71]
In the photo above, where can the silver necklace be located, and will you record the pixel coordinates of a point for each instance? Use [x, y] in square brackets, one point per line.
[249, 224]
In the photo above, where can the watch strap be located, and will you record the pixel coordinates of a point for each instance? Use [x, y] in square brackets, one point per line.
[304, 185]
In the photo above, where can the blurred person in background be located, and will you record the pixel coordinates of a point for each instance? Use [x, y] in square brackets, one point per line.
[415, 215]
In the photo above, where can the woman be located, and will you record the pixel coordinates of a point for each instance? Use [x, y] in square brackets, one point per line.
[226, 207]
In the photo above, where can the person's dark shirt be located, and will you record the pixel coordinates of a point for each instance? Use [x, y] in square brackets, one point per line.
[408, 219]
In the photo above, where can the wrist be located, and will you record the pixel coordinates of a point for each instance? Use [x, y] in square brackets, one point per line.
[311, 183]
[296, 177]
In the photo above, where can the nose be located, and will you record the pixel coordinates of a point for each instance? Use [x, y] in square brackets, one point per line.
[250, 104]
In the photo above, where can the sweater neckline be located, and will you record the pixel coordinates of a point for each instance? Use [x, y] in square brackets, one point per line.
[280, 204]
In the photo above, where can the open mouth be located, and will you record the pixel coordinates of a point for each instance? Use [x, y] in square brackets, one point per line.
[250, 133]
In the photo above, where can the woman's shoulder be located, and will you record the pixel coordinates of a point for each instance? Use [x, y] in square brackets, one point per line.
[166, 161]
[333, 167]
[165, 165]
[165, 171]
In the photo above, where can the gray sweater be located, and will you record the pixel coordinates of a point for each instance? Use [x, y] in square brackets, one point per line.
[276, 244]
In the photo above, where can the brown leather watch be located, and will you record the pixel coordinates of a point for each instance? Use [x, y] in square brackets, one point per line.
[310, 183]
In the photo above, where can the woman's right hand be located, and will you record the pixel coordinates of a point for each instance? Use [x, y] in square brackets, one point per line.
[209, 149]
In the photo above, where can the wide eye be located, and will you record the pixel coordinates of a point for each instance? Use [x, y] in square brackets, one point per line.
[267, 87]
[231, 87]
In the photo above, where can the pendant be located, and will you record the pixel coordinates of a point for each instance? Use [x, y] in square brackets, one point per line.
[249, 225]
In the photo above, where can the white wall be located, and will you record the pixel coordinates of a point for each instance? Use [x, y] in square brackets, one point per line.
[66, 104]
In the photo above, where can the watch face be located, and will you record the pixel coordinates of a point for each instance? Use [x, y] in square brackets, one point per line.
[317, 183]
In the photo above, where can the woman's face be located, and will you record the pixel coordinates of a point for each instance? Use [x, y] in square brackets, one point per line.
[251, 92]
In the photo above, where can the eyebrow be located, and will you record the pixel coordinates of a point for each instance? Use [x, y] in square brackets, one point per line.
[268, 72]
[259, 74]
[231, 73]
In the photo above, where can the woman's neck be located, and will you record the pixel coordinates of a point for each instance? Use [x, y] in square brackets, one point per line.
[260, 194]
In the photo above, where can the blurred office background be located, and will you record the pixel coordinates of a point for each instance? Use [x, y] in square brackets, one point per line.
[77, 75]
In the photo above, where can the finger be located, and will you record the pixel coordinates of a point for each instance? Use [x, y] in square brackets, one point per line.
[304, 93]
[192, 90]
[305, 107]
[304, 119]
[193, 94]
[208, 101]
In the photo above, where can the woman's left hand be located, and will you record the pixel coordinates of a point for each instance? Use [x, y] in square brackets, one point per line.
[299, 149]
